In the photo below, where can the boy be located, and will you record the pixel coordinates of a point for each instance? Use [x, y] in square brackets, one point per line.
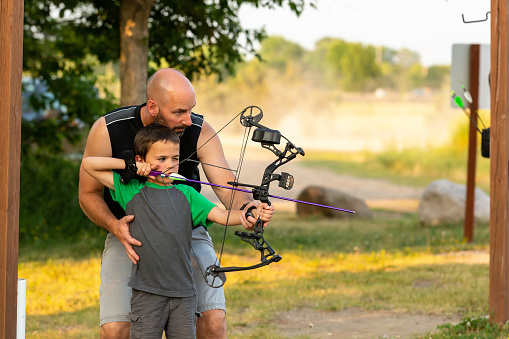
[163, 293]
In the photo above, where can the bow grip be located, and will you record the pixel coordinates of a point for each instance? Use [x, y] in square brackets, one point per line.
[249, 212]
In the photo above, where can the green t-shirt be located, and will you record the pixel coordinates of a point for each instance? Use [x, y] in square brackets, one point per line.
[164, 217]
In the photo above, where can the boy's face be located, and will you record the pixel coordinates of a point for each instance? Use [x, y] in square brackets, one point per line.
[164, 156]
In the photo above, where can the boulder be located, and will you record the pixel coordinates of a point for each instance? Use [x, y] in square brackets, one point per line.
[443, 202]
[334, 198]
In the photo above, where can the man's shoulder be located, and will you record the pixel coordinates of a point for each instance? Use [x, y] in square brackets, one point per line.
[196, 116]
[197, 120]
[120, 114]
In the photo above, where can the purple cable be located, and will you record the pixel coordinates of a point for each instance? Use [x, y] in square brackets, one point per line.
[247, 191]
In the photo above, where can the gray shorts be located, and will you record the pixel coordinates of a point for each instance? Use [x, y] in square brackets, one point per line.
[151, 314]
[115, 295]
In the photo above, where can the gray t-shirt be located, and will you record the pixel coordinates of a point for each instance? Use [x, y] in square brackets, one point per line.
[163, 221]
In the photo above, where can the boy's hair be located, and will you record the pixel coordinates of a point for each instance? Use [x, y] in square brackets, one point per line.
[151, 134]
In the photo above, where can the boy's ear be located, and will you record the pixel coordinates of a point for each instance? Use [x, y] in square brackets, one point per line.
[138, 159]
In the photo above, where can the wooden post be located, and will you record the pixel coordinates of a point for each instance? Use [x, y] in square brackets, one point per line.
[11, 56]
[468, 232]
[499, 218]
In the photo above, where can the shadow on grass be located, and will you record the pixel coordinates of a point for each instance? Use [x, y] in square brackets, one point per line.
[79, 324]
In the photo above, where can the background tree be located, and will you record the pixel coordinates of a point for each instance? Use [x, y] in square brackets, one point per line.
[195, 36]
[66, 40]
[279, 52]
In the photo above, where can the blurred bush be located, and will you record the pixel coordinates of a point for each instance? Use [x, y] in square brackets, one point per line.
[49, 207]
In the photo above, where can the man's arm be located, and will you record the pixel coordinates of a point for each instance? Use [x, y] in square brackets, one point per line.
[91, 192]
[212, 153]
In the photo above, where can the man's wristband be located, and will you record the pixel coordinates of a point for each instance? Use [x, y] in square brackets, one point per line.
[244, 206]
[130, 167]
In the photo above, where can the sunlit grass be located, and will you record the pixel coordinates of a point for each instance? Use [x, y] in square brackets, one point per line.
[62, 298]
[389, 263]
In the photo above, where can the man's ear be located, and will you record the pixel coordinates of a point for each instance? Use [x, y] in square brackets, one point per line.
[152, 107]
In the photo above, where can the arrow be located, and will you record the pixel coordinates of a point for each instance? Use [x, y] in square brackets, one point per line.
[179, 177]
[460, 104]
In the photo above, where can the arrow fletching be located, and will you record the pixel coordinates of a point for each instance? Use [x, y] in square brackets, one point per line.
[457, 100]
[467, 95]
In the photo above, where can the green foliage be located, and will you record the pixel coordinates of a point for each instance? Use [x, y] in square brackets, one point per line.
[352, 66]
[471, 328]
[49, 208]
[437, 75]
[278, 52]
[55, 53]
[65, 40]
[359, 68]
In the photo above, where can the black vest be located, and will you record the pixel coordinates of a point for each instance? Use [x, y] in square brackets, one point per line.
[123, 124]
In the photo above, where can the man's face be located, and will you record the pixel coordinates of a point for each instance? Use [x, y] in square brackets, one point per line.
[165, 156]
[176, 114]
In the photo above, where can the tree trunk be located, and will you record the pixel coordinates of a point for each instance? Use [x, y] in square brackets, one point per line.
[134, 16]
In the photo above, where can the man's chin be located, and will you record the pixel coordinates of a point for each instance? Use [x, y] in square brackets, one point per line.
[179, 131]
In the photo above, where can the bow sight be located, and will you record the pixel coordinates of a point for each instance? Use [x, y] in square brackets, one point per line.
[268, 139]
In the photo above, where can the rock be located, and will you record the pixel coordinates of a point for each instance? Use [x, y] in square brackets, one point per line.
[443, 202]
[334, 198]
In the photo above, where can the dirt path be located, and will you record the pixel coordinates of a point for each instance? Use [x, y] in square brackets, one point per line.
[348, 323]
[356, 323]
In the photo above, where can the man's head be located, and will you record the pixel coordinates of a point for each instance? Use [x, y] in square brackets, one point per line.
[159, 146]
[170, 99]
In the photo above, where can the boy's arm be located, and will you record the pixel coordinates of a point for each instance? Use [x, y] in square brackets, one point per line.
[220, 216]
[100, 168]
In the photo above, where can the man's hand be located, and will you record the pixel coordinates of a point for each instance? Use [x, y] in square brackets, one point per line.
[121, 230]
[265, 211]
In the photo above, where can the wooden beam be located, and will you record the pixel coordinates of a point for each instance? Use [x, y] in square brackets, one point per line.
[499, 219]
[468, 232]
[11, 56]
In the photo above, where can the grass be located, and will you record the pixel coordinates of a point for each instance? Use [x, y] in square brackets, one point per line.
[385, 263]
[389, 262]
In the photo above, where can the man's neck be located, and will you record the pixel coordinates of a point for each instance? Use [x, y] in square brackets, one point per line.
[146, 118]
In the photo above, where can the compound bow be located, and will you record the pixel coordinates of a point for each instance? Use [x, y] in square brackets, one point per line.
[268, 138]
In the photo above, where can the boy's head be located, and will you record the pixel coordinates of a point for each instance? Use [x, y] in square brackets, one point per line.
[149, 135]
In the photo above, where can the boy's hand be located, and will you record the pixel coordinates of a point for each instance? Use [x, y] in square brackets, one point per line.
[263, 210]
[144, 169]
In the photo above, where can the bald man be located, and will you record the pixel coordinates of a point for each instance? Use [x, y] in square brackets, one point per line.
[170, 100]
